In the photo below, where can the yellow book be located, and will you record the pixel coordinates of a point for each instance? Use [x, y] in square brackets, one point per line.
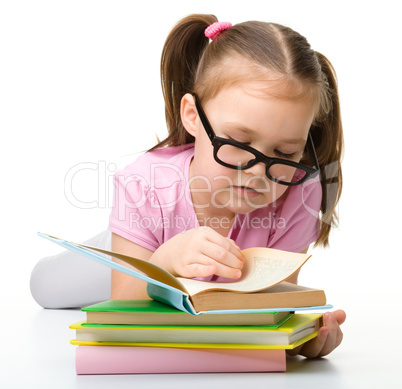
[300, 327]
[291, 346]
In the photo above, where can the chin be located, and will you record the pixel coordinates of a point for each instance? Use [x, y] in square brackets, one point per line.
[245, 206]
[242, 204]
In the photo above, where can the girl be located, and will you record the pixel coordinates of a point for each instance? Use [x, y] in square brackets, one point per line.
[255, 140]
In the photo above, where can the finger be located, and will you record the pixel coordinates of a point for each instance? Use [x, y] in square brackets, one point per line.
[226, 264]
[234, 243]
[227, 272]
[328, 346]
[232, 248]
[333, 330]
[340, 316]
[221, 256]
[312, 349]
[224, 270]
[339, 338]
[198, 270]
[217, 238]
[226, 243]
[202, 265]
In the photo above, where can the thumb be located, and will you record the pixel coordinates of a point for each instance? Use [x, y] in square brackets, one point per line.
[340, 316]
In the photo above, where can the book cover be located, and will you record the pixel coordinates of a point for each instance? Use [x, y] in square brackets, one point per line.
[264, 268]
[152, 312]
[291, 331]
[154, 360]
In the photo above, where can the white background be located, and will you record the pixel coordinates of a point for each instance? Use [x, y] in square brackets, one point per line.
[80, 87]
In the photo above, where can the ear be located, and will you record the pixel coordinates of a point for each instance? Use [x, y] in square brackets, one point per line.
[189, 114]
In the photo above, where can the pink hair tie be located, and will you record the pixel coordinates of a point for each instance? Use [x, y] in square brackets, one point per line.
[214, 29]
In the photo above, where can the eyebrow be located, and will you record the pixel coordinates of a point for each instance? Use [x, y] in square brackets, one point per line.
[240, 127]
[295, 141]
[235, 126]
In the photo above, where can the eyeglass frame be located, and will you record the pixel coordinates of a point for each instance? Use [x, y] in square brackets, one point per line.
[217, 142]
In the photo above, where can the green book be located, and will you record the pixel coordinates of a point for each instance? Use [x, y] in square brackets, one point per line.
[151, 312]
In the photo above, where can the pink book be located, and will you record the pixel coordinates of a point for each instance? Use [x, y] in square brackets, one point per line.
[151, 360]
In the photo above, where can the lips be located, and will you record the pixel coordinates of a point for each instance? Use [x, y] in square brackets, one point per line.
[249, 188]
[245, 187]
[246, 191]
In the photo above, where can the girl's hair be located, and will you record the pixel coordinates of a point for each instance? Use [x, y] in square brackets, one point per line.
[269, 52]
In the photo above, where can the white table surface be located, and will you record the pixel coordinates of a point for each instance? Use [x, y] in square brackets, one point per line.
[36, 353]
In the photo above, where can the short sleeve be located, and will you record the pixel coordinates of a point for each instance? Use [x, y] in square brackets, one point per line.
[297, 220]
[136, 213]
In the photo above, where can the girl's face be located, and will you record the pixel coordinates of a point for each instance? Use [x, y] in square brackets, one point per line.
[247, 114]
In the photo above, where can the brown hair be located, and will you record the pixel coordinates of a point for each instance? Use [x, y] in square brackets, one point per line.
[190, 64]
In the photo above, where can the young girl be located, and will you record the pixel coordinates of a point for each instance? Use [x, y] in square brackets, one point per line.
[255, 140]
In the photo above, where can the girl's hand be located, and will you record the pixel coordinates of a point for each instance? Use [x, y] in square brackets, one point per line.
[200, 252]
[328, 339]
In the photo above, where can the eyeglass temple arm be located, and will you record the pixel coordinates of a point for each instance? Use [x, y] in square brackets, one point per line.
[313, 152]
[204, 119]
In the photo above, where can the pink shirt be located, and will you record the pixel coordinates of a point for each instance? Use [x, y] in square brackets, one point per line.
[152, 203]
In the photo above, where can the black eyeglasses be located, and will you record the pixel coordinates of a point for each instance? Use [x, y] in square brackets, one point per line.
[236, 155]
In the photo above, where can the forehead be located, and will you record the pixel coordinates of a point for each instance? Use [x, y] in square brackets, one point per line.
[239, 72]
[249, 114]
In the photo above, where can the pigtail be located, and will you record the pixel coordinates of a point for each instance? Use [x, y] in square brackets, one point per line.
[180, 56]
[328, 138]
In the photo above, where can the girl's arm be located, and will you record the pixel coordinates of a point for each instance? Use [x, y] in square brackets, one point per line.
[123, 285]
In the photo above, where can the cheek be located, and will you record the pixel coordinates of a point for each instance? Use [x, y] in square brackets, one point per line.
[277, 191]
[207, 168]
[271, 192]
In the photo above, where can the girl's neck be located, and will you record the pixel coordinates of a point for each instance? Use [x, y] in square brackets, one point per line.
[219, 219]
[222, 225]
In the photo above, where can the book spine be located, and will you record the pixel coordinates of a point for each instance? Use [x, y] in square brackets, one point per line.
[175, 298]
[155, 360]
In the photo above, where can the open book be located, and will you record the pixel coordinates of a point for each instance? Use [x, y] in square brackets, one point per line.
[260, 289]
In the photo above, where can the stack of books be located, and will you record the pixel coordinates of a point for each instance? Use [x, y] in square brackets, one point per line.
[198, 326]
[145, 336]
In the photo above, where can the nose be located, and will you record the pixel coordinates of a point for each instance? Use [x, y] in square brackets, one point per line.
[259, 169]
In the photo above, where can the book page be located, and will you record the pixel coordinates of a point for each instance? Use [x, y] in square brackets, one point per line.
[150, 271]
[263, 268]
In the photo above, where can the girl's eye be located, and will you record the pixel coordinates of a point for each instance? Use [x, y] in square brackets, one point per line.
[284, 155]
